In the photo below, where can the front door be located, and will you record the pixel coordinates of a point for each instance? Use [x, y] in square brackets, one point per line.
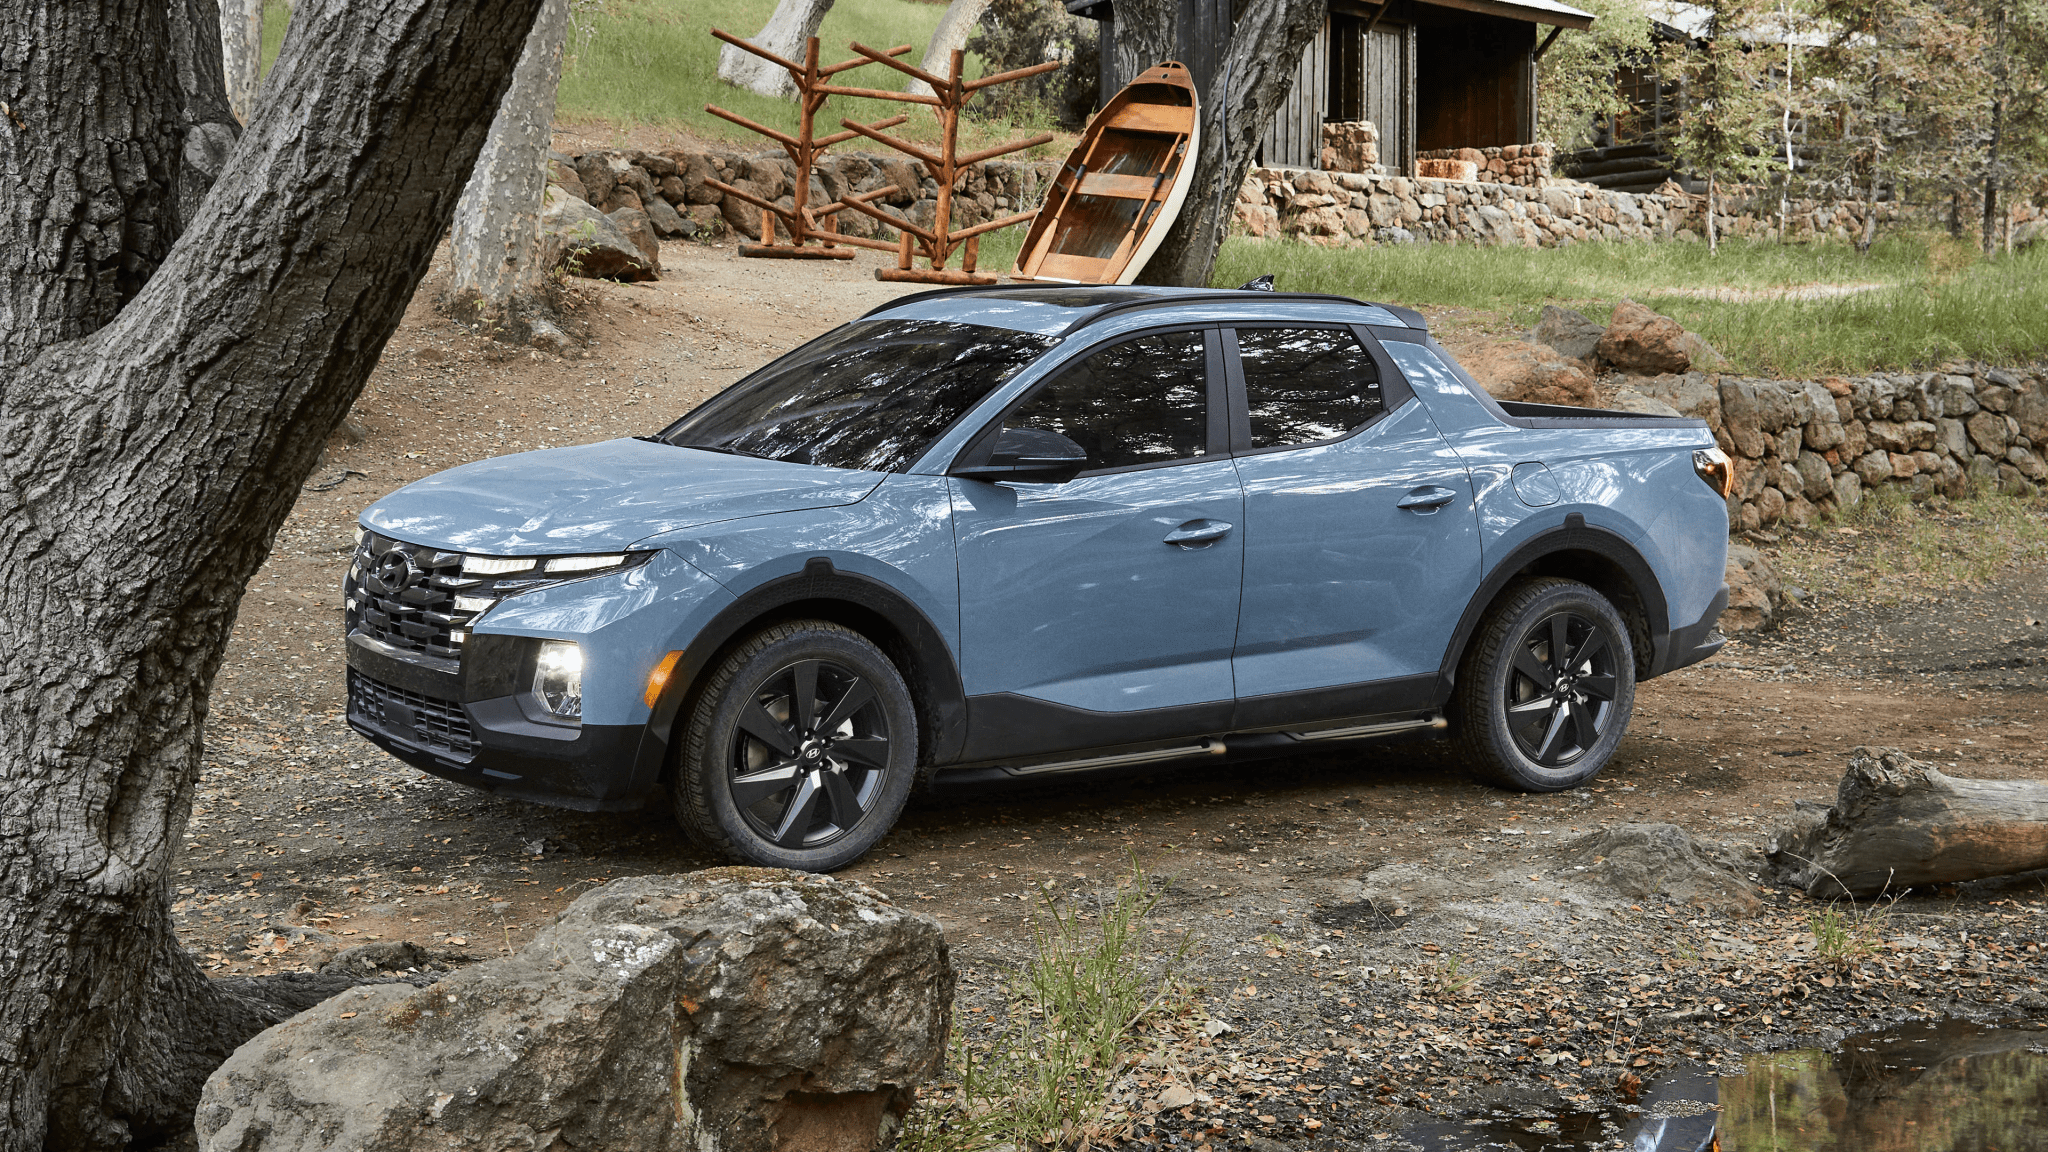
[1361, 546]
[1104, 610]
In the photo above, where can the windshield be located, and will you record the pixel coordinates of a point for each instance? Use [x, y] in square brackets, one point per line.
[870, 395]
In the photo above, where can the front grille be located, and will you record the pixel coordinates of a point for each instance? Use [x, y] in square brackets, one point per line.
[403, 595]
[437, 725]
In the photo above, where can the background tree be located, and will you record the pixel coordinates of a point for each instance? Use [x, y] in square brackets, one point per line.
[1726, 123]
[1252, 79]
[169, 372]
[792, 23]
[1019, 33]
[2012, 105]
[1575, 80]
[497, 277]
[241, 43]
[956, 24]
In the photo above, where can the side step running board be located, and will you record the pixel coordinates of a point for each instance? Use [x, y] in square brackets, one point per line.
[1382, 729]
[1204, 747]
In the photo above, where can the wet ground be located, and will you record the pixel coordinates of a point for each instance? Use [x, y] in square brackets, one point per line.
[1377, 941]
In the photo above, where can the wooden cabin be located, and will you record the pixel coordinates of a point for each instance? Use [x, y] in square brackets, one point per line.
[1430, 74]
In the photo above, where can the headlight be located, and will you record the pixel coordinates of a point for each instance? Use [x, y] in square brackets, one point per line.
[558, 681]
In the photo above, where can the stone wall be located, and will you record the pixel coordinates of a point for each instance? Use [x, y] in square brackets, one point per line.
[1804, 447]
[671, 188]
[1525, 164]
[1351, 146]
[1360, 208]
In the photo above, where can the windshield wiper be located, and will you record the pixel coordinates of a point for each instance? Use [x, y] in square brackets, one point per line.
[722, 449]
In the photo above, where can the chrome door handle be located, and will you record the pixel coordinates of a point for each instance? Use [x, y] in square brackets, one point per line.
[1427, 499]
[1196, 533]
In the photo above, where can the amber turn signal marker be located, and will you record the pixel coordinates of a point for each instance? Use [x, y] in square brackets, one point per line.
[1716, 469]
[657, 680]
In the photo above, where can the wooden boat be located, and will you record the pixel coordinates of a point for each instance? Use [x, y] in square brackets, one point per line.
[1121, 188]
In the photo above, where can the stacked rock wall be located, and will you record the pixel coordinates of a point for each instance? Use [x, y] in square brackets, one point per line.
[1525, 164]
[672, 188]
[1351, 146]
[1805, 447]
[1359, 208]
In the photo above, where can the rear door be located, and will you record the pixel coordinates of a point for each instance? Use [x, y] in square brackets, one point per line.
[1104, 610]
[1361, 548]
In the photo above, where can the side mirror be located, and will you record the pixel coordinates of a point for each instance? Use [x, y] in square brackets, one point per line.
[1032, 455]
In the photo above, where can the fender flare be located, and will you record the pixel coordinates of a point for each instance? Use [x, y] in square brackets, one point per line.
[1574, 535]
[934, 676]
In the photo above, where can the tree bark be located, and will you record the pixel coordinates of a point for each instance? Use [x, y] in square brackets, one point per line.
[1254, 77]
[955, 26]
[241, 44]
[212, 125]
[1898, 823]
[497, 276]
[160, 405]
[793, 22]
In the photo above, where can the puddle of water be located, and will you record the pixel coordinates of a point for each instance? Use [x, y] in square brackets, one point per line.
[1946, 1086]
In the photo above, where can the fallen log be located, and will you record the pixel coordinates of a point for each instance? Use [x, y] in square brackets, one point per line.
[1900, 823]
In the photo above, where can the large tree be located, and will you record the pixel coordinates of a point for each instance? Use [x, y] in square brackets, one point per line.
[170, 368]
[1252, 79]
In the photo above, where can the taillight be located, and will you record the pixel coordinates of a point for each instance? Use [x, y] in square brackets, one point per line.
[1716, 469]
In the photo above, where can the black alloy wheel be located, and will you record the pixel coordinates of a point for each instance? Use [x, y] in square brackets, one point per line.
[1562, 688]
[812, 756]
[1546, 688]
[800, 751]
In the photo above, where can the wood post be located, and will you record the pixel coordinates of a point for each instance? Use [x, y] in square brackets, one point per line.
[800, 221]
[950, 94]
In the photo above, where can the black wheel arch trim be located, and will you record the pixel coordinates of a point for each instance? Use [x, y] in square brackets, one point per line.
[1574, 535]
[933, 675]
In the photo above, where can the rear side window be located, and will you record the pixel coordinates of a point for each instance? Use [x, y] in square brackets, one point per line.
[1144, 401]
[1303, 385]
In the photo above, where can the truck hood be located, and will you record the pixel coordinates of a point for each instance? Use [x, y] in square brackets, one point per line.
[600, 497]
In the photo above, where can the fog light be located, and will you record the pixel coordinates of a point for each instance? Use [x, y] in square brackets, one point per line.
[558, 681]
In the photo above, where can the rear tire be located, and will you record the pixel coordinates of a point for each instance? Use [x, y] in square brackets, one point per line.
[1546, 690]
[800, 751]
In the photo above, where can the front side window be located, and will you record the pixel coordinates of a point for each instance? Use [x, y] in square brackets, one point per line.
[871, 395]
[1303, 385]
[1144, 401]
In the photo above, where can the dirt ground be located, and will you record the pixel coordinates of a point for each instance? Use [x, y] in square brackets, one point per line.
[1375, 939]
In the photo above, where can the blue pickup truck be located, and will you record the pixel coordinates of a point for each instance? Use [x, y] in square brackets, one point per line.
[991, 533]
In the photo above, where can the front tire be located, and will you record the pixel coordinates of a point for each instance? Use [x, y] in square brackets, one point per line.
[800, 751]
[1546, 691]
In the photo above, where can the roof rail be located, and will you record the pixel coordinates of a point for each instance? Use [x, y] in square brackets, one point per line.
[1249, 296]
[1407, 316]
[936, 293]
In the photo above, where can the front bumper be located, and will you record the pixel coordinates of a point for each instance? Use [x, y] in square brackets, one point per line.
[460, 724]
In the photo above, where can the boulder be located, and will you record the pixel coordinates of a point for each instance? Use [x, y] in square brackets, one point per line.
[597, 176]
[1641, 342]
[665, 220]
[1664, 860]
[1530, 373]
[578, 237]
[1629, 400]
[634, 225]
[1988, 432]
[1570, 333]
[1755, 594]
[743, 1009]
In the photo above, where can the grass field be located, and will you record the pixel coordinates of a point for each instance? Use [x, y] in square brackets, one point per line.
[1936, 300]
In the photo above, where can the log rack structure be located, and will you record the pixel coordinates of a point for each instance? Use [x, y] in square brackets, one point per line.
[936, 243]
[802, 222]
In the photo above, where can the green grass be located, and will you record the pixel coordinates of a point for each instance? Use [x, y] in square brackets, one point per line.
[276, 14]
[1888, 548]
[1075, 1016]
[1939, 302]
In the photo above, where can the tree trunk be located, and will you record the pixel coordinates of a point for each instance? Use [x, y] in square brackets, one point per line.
[1991, 181]
[211, 124]
[241, 49]
[1898, 823]
[955, 26]
[161, 405]
[1713, 236]
[496, 274]
[793, 22]
[1251, 81]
